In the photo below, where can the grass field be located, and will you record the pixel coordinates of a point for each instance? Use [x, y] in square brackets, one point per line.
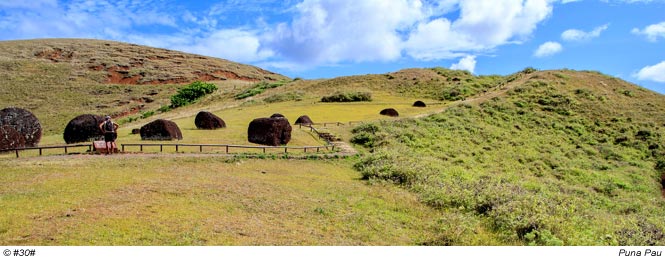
[97, 200]
[211, 200]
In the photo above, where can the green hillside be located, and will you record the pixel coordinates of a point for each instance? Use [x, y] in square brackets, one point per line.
[562, 158]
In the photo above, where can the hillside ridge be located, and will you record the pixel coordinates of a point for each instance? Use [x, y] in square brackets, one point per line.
[111, 62]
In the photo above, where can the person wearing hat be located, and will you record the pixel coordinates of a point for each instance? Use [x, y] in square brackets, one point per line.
[109, 128]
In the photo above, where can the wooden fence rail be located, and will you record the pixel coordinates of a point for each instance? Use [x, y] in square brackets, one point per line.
[228, 146]
[177, 147]
[41, 148]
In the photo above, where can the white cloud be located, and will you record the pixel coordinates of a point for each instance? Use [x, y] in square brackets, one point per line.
[574, 35]
[652, 32]
[79, 18]
[319, 32]
[467, 63]
[235, 45]
[331, 31]
[437, 40]
[482, 25]
[548, 49]
[653, 73]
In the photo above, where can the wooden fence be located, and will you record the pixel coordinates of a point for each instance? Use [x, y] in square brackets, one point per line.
[41, 148]
[227, 147]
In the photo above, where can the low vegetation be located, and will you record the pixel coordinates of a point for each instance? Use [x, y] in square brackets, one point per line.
[191, 93]
[286, 96]
[258, 89]
[348, 97]
[543, 165]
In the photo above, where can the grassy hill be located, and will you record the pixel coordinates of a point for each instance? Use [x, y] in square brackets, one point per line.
[59, 79]
[558, 158]
[534, 158]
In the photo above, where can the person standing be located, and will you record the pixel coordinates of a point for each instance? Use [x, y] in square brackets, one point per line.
[109, 129]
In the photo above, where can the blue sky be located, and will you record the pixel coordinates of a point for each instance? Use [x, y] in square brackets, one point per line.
[330, 38]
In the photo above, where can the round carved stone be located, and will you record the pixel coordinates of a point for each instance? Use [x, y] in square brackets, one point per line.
[304, 120]
[160, 129]
[269, 131]
[83, 128]
[10, 138]
[24, 122]
[389, 112]
[419, 104]
[208, 121]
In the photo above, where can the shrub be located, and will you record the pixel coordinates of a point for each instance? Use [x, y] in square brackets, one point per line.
[366, 135]
[164, 109]
[367, 128]
[147, 114]
[660, 165]
[528, 70]
[192, 92]
[348, 97]
[288, 96]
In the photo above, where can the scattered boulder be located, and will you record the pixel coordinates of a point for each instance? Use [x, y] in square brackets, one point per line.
[389, 112]
[208, 121]
[277, 115]
[136, 131]
[160, 129]
[10, 138]
[304, 120]
[24, 122]
[419, 104]
[269, 131]
[83, 128]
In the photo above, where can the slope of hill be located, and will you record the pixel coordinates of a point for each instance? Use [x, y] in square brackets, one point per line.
[122, 63]
[434, 83]
[548, 158]
[58, 79]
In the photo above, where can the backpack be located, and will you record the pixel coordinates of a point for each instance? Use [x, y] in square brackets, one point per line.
[108, 126]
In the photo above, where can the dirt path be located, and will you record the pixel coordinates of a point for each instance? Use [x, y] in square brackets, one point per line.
[491, 93]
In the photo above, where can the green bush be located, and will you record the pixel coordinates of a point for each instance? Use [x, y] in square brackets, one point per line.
[164, 109]
[147, 114]
[365, 135]
[348, 97]
[192, 92]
